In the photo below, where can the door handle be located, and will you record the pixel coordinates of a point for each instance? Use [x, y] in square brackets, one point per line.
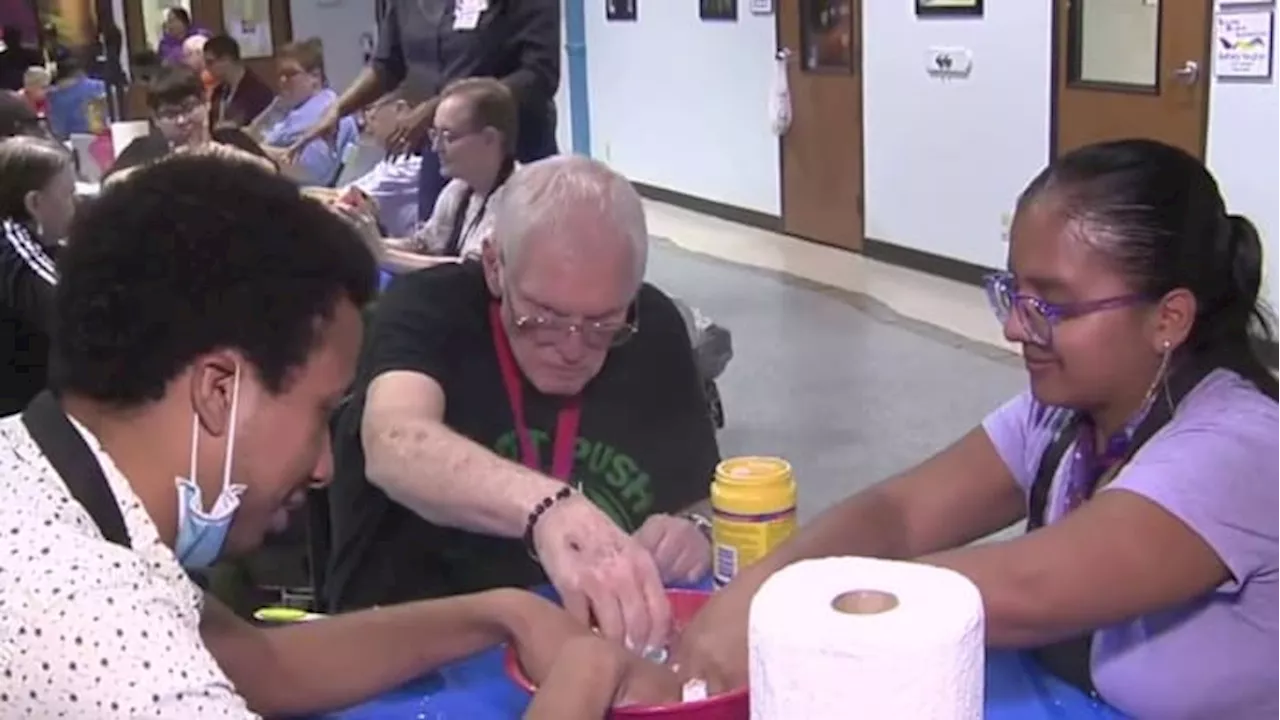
[1189, 73]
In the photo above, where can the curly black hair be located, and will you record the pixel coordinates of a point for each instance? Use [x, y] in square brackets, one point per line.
[193, 254]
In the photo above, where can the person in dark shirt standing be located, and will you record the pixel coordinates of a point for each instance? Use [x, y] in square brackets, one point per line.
[533, 416]
[37, 184]
[438, 41]
[240, 96]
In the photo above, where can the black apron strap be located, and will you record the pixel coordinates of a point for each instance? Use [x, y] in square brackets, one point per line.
[1069, 659]
[64, 447]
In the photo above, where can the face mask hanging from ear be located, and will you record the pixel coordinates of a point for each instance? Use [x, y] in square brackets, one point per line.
[201, 534]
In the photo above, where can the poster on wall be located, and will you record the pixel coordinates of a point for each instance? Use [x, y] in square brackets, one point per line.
[718, 9]
[620, 10]
[1242, 44]
[948, 7]
[249, 22]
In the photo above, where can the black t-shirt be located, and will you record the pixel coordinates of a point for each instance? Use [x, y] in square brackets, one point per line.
[646, 443]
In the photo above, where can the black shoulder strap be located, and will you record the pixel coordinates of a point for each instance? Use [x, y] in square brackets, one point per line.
[454, 246]
[1069, 659]
[66, 450]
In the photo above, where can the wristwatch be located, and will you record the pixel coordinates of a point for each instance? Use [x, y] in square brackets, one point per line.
[701, 522]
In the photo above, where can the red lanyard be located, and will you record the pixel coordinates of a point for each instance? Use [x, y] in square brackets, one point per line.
[567, 418]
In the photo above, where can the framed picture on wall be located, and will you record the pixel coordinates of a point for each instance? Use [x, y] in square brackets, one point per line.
[933, 8]
[620, 10]
[717, 9]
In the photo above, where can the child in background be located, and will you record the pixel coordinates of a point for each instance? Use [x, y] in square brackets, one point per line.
[77, 102]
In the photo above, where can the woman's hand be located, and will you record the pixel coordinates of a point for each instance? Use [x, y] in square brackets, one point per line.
[411, 133]
[713, 647]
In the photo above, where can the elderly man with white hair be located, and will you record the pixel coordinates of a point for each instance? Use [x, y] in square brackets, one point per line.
[536, 415]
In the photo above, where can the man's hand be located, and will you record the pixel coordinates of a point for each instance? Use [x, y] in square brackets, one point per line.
[679, 548]
[603, 574]
[325, 127]
[411, 133]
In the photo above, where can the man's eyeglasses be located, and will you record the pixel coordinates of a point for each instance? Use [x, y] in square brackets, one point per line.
[174, 113]
[1038, 317]
[545, 330]
[442, 136]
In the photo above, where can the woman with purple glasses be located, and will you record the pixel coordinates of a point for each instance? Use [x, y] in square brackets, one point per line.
[1143, 457]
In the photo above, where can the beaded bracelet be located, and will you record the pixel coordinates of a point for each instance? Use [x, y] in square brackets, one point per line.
[538, 511]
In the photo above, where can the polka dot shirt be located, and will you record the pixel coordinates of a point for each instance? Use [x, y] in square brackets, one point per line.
[89, 629]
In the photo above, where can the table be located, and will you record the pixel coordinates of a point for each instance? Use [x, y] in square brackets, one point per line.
[478, 689]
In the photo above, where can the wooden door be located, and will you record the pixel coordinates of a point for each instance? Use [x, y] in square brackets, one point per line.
[1138, 68]
[822, 151]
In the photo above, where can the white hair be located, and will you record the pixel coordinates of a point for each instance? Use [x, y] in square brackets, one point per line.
[547, 194]
[194, 44]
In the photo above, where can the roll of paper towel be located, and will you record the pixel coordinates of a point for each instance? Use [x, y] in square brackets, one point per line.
[867, 639]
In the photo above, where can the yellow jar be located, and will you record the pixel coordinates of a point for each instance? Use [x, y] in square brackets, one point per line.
[753, 504]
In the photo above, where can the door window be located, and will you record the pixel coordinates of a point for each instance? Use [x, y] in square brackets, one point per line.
[1114, 43]
[826, 34]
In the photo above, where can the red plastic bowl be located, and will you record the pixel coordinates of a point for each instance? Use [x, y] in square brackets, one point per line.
[726, 706]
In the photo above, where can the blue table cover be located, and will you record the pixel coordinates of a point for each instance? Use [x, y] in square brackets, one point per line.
[478, 689]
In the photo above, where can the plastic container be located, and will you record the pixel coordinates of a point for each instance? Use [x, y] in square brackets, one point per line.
[753, 504]
[725, 706]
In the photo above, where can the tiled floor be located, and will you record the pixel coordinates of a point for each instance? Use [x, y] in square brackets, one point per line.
[960, 308]
[851, 369]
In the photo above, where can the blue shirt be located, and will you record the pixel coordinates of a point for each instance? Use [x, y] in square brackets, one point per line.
[69, 106]
[320, 159]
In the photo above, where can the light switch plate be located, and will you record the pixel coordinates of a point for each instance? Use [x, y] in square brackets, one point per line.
[948, 61]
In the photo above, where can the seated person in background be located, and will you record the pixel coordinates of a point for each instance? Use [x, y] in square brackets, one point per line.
[217, 361]
[37, 181]
[35, 89]
[1133, 293]
[393, 182]
[77, 103]
[510, 425]
[177, 28]
[239, 95]
[302, 98]
[193, 57]
[179, 114]
[17, 117]
[474, 133]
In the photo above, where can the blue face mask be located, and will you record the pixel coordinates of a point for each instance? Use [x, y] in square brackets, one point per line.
[201, 534]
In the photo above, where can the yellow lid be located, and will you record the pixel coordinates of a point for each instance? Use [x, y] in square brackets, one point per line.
[753, 486]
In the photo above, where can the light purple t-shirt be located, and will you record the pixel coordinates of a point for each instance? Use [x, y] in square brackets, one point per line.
[1215, 466]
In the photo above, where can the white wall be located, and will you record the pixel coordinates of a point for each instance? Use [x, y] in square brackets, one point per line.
[339, 25]
[683, 104]
[564, 128]
[1244, 154]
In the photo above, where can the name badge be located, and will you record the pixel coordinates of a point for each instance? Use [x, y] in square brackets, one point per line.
[466, 13]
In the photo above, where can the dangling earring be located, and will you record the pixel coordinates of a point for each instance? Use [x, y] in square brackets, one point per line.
[1166, 351]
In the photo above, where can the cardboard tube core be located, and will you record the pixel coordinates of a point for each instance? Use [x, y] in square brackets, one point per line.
[865, 602]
